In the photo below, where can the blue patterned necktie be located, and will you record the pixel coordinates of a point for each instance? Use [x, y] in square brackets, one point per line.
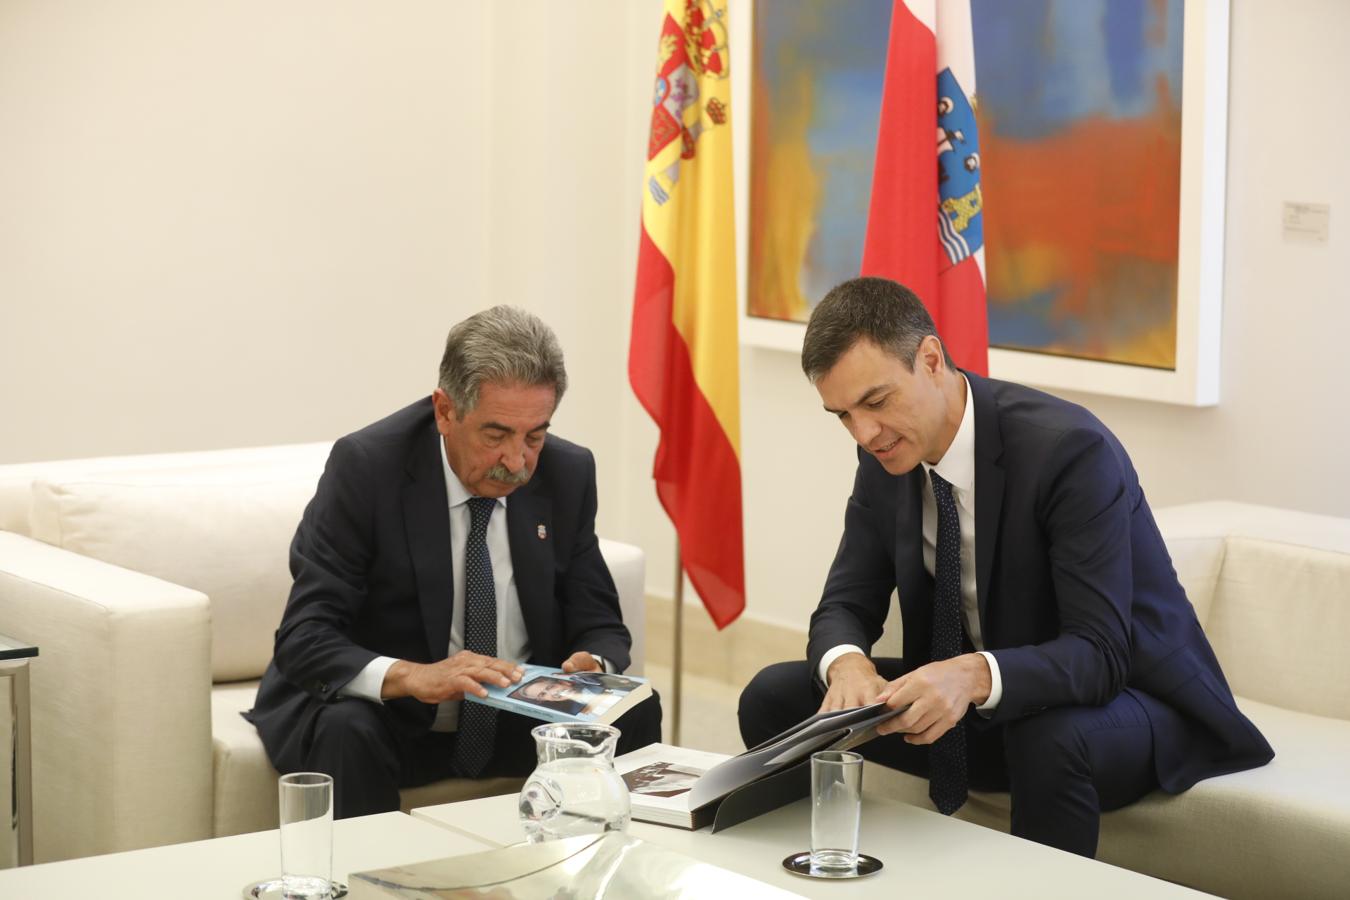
[947, 758]
[477, 723]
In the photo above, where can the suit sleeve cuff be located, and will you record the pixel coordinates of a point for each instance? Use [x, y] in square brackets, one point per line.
[369, 682]
[605, 665]
[995, 684]
[831, 655]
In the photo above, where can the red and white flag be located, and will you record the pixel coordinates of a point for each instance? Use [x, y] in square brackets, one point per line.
[930, 78]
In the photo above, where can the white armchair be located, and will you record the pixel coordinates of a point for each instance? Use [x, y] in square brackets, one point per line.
[153, 585]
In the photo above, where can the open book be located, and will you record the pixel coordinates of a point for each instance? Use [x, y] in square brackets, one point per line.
[684, 788]
[547, 693]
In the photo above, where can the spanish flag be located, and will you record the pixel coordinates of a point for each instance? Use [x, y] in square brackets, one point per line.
[683, 359]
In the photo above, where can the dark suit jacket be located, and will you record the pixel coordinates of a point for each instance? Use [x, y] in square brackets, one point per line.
[1078, 599]
[371, 562]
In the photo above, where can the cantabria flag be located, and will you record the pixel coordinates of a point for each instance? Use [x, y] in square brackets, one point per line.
[683, 358]
[925, 226]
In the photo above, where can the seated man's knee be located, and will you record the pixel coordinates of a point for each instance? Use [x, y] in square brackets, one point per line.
[1048, 744]
[349, 723]
[780, 696]
[641, 725]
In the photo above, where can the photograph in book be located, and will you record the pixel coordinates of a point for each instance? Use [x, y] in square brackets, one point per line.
[662, 779]
[550, 694]
[659, 779]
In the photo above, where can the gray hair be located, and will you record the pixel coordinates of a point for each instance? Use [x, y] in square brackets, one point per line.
[882, 311]
[501, 345]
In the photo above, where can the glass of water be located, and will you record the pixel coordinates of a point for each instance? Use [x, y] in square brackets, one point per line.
[836, 810]
[306, 835]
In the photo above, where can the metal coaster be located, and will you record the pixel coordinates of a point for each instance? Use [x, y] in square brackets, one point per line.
[271, 889]
[800, 864]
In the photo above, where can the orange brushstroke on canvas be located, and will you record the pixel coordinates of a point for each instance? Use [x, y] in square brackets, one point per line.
[782, 219]
[1093, 211]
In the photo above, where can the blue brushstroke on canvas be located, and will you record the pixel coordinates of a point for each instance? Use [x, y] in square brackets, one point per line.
[1065, 80]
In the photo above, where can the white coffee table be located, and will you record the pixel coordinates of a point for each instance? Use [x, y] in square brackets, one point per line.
[924, 853]
[223, 867]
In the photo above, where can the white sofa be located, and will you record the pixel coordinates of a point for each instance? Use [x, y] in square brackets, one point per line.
[153, 586]
[1272, 589]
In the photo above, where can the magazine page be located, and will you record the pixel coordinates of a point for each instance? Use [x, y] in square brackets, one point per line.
[839, 729]
[547, 693]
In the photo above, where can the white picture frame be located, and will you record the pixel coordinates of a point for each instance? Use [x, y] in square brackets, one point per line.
[1200, 252]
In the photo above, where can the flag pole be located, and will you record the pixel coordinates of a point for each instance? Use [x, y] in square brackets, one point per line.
[677, 655]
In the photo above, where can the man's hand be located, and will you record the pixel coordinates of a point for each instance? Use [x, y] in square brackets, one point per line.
[581, 661]
[449, 679]
[853, 682]
[937, 694]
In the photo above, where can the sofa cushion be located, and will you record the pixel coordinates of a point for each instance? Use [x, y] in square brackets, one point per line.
[246, 783]
[222, 530]
[16, 479]
[1280, 622]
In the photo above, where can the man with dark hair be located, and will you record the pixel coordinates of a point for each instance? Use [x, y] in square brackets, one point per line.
[445, 545]
[1049, 649]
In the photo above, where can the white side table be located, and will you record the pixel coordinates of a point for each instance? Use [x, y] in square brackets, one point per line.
[14, 657]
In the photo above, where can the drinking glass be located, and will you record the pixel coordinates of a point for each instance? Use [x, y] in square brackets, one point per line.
[836, 809]
[306, 835]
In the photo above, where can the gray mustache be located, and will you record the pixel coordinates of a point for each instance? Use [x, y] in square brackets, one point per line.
[501, 473]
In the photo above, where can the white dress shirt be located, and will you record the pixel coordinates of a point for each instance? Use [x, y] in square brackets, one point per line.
[513, 643]
[957, 467]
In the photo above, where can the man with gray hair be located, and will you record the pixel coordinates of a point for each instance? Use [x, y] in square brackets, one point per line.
[445, 546]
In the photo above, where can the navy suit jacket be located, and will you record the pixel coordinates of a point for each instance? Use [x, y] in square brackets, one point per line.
[1078, 599]
[371, 562]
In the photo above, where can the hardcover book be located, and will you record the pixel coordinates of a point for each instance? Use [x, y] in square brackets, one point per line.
[690, 788]
[659, 778]
[554, 696]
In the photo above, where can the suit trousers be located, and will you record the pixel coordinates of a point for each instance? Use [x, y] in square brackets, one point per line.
[1063, 767]
[371, 756]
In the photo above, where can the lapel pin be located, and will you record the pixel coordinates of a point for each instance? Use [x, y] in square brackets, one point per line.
[542, 531]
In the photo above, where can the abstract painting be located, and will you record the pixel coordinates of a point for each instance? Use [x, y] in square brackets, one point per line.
[1102, 131]
[815, 99]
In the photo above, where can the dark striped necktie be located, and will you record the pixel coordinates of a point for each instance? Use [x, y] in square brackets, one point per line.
[947, 757]
[477, 723]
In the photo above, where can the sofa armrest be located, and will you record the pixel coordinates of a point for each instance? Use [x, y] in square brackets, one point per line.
[121, 712]
[628, 566]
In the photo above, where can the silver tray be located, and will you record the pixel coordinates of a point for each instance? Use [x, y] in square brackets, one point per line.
[800, 864]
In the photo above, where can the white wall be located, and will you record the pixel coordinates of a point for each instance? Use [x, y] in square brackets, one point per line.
[1281, 432]
[248, 223]
[231, 223]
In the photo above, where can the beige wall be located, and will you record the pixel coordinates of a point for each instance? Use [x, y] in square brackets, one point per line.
[231, 223]
[247, 223]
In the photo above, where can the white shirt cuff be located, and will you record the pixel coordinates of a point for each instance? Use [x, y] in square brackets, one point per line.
[369, 682]
[831, 655]
[995, 684]
[605, 665]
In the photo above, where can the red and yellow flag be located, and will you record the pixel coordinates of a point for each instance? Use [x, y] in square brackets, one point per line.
[684, 356]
